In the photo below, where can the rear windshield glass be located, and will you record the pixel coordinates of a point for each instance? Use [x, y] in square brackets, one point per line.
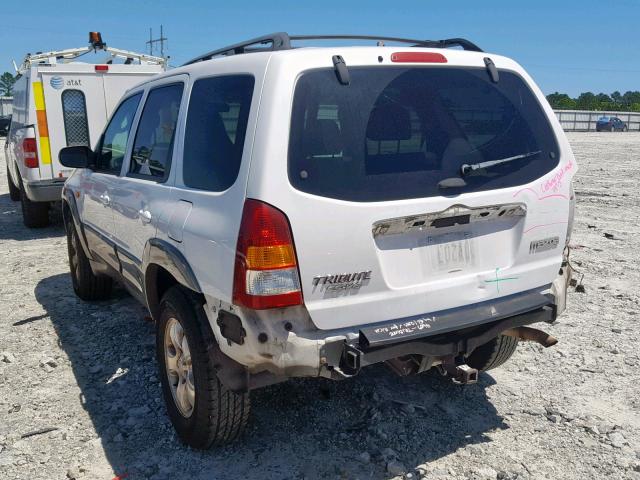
[396, 133]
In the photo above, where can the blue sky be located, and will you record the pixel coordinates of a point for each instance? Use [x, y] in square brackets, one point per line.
[568, 46]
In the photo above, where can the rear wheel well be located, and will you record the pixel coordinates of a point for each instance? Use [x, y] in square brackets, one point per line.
[157, 281]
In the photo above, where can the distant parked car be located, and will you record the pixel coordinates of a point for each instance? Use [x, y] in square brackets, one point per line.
[611, 124]
[4, 125]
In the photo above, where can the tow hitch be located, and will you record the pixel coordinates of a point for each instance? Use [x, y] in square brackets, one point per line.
[460, 373]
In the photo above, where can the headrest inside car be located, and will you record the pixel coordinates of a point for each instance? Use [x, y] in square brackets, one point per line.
[389, 122]
[324, 138]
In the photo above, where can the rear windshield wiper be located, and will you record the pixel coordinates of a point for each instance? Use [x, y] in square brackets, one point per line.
[466, 169]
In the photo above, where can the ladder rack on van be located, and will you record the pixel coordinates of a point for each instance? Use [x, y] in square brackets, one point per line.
[282, 41]
[73, 53]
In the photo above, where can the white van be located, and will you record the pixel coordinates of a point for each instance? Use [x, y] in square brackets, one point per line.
[59, 102]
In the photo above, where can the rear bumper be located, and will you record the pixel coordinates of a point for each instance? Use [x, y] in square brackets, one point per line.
[458, 332]
[275, 345]
[44, 190]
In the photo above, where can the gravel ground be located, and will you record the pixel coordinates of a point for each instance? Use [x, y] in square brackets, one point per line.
[569, 412]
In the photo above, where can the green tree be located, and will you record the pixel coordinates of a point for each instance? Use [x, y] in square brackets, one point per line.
[561, 101]
[629, 98]
[6, 84]
[587, 101]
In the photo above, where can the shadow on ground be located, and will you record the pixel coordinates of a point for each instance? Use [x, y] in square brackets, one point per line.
[300, 429]
[12, 228]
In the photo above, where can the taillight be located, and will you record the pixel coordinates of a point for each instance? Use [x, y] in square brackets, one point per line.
[30, 152]
[102, 68]
[266, 270]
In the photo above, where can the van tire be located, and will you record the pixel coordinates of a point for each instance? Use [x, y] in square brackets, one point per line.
[87, 285]
[14, 191]
[493, 353]
[34, 214]
[218, 415]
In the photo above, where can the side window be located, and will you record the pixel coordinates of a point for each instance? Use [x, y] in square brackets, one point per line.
[215, 131]
[74, 113]
[114, 140]
[151, 155]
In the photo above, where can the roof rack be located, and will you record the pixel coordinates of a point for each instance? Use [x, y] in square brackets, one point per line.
[95, 44]
[282, 41]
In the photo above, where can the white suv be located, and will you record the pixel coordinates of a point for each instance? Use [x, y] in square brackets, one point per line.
[305, 212]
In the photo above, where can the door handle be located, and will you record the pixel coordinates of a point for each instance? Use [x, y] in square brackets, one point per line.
[145, 215]
[104, 198]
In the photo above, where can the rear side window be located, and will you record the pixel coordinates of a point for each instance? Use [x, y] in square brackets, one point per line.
[394, 133]
[74, 113]
[215, 132]
[114, 140]
[153, 146]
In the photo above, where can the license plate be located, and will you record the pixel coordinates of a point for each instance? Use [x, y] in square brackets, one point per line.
[452, 251]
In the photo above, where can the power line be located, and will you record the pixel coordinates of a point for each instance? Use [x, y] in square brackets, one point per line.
[160, 40]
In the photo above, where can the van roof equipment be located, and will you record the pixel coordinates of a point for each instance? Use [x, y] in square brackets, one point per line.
[282, 41]
[95, 43]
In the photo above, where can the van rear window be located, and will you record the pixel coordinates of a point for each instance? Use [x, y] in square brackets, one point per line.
[74, 112]
[396, 133]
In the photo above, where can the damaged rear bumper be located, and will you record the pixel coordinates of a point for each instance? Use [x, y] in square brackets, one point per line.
[481, 323]
[265, 347]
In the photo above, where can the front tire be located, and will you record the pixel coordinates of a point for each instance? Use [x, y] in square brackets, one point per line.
[34, 214]
[86, 284]
[14, 191]
[202, 410]
[493, 353]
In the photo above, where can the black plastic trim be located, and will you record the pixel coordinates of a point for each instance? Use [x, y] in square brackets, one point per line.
[161, 253]
[436, 323]
[70, 199]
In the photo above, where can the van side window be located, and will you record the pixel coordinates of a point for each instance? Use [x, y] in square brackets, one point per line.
[215, 131]
[114, 141]
[151, 155]
[74, 113]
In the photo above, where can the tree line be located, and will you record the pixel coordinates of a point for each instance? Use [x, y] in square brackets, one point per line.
[617, 102]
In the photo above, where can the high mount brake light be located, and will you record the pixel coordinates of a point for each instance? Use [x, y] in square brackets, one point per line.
[418, 57]
[266, 270]
[30, 153]
[102, 68]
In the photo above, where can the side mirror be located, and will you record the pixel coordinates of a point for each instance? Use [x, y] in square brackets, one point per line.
[76, 157]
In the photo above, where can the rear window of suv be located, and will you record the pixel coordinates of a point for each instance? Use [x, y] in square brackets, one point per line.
[395, 133]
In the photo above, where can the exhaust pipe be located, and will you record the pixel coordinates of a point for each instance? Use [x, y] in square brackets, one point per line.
[529, 334]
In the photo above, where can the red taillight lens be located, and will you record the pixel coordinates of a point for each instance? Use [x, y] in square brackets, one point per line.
[418, 57]
[30, 152]
[266, 270]
[102, 68]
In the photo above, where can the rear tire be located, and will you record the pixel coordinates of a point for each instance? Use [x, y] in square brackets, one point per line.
[202, 410]
[14, 191]
[493, 353]
[34, 214]
[86, 284]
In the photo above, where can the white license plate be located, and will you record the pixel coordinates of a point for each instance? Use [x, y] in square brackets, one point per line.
[452, 251]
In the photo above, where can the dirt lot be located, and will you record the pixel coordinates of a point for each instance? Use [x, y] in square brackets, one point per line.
[569, 412]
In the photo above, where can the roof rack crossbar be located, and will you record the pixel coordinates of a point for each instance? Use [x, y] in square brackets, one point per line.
[282, 41]
[449, 42]
[278, 41]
